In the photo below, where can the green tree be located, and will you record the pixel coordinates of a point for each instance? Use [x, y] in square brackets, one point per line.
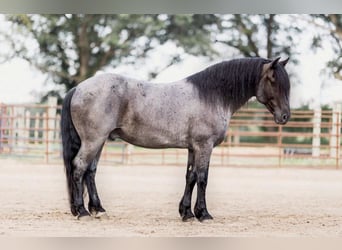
[332, 25]
[267, 35]
[71, 48]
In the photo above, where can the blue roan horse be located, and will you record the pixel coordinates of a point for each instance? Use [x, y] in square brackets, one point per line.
[193, 113]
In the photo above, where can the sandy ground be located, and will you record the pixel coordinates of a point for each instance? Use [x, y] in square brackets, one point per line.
[143, 201]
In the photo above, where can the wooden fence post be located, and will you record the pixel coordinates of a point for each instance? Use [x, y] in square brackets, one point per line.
[45, 136]
[19, 113]
[50, 125]
[316, 140]
[335, 133]
[128, 148]
[27, 128]
[11, 134]
[36, 129]
[280, 145]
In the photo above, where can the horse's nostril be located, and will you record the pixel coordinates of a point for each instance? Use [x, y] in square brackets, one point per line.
[284, 117]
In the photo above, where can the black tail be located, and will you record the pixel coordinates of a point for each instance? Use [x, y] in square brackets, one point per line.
[71, 145]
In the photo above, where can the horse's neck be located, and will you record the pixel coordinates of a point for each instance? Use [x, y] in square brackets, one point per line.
[244, 100]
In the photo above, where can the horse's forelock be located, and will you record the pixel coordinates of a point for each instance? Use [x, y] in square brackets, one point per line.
[282, 79]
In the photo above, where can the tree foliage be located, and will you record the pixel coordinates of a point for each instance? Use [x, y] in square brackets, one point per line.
[71, 48]
[259, 35]
[332, 24]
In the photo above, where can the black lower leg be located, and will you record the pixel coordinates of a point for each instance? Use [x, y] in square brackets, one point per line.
[94, 205]
[200, 209]
[185, 203]
[78, 194]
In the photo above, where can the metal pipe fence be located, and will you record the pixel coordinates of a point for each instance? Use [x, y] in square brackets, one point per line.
[312, 138]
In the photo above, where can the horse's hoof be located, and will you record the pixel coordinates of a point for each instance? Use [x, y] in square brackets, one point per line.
[101, 215]
[185, 213]
[205, 218]
[83, 217]
[188, 218]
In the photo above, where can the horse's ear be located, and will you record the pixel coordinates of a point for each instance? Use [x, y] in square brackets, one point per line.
[283, 63]
[271, 65]
[274, 62]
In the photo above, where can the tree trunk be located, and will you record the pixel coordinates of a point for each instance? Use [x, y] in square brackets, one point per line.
[269, 22]
[269, 29]
[84, 48]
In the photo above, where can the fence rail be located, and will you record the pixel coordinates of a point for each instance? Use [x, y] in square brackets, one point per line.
[312, 138]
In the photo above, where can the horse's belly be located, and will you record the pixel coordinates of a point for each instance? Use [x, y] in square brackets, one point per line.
[151, 137]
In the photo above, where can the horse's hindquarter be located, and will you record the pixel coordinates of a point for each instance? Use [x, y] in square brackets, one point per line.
[96, 105]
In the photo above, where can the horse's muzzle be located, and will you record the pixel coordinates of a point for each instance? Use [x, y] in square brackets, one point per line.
[282, 118]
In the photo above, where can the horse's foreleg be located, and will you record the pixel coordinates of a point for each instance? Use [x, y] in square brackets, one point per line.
[185, 204]
[201, 162]
[94, 206]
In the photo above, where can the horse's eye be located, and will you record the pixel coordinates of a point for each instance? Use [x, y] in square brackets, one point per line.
[271, 79]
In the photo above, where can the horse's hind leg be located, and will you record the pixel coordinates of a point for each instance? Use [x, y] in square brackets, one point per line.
[185, 204]
[82, 161]
[94, 206]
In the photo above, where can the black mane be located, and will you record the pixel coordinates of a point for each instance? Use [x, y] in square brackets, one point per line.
[232, 83]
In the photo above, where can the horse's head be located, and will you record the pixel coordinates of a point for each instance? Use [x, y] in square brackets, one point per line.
[273, 90]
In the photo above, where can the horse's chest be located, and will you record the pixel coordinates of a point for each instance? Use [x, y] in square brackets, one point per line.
[216, 129]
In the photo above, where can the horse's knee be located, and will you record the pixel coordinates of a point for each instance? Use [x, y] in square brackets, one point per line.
[202, 177]
[191, 177]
